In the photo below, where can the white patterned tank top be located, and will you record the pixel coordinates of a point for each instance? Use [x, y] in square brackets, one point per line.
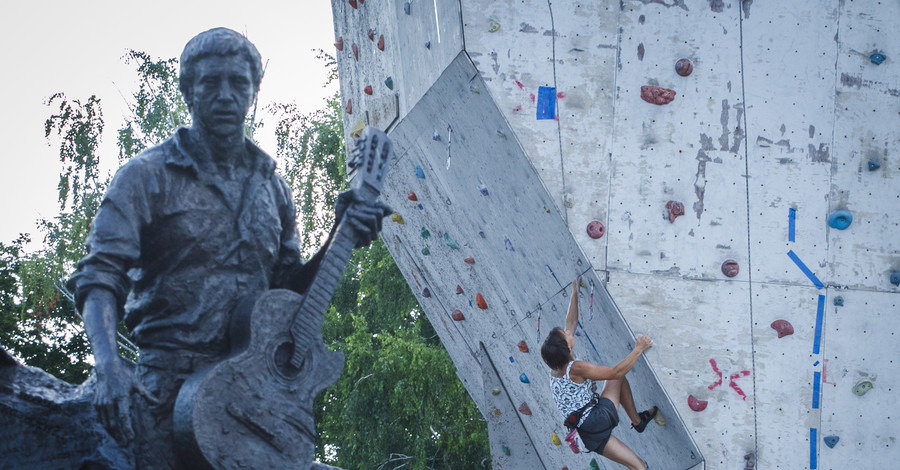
[571, 396]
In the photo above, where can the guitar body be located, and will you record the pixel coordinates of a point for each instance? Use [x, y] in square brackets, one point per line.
[253, 409]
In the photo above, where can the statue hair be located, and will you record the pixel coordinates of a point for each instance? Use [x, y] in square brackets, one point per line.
[217, 42]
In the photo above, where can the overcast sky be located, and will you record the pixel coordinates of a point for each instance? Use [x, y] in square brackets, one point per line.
[75, 47]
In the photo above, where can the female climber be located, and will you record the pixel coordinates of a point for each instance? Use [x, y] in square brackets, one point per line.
[574, 391]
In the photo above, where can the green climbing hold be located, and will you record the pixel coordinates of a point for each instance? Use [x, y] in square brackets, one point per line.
[506, 451]
[389, 82]
[495, 392]
[425, 233]
[569, 201]
[862, 387]
[594, 464]
[449, 241]
[426, 251]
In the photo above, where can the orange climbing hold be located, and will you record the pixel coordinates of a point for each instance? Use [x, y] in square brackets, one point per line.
[523, 346]
[783, 327]
[695, 404]
[339, 44]
[457, 315]
[480, 301]
[524, 409]
[469, 260]
[657, 95]
[412, 196]
[381, 43]
[368, 89]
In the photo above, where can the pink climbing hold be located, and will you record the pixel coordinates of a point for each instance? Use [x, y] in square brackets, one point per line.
[355, 51]
[371, 34]
[695, 404]
[469, 260]
[783, 327]
[381, 42]
[684, 67]
[675, 209]
[730, 268]
[657, 95]
[595, 229]
[457, 315]
[368, 89]
[412, 196]
[524, 409]
[561, 94]
[353, 4]
[459, 289]
[523, 346]
[349, 107]
[339, 44]
[480, 301]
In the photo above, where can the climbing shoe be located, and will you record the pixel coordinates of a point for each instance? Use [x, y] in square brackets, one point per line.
[646, 417]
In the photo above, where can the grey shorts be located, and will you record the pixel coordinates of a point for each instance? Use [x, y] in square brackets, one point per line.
[597, 427]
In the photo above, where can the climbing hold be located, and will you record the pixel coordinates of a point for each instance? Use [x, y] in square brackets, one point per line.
[565, 467]
[494, 27]
[480, 301]
[353, 4]
[428, 45]
[426, 251]
[895, 278]
[483, 189]
[449, 241]
[389, 82]
[838, 301]
[396, 217]
[371, 34]
[349, 107]
[877, 58]
[840, 219]
[684, 67]
[695, 404]
[569, 200]
[555, 439]
[873, 165]
[524, 378]
[425, 233]
[421, 207]
[495, 392]
[506, 450]
[730, 268]
[412, 196]
[360, 126]
[469, 260]
[523, 346]
[420, 173]
[508, 244]
[474, 89]
[862, 387]
[426, 293]
[457, 315]
[355, 51]
[406, 8]
[660, 421]
[594, 464]
[831, 441]
[524, 409]
[783, 327]
[511, 360]
[751, 461]
[595, 229]
[339, 44]
[675, 209]
[381, 42]
[657, 95]
[368, 89]
[436, 136]
[459, 289]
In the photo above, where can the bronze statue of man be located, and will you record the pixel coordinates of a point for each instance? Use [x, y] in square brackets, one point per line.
[185, 231]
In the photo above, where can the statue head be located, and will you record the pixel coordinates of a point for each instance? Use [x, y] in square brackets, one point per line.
[221, 42]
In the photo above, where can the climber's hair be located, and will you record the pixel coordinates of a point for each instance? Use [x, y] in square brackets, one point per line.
[555, 350]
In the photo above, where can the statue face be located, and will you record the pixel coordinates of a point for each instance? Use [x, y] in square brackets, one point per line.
[221, 94]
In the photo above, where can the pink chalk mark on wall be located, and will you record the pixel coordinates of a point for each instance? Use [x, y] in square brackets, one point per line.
[521, 87]
[733, 385]
[715, 369]
[825, 374]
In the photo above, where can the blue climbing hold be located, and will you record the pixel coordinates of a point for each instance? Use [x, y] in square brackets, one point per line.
[508, 244]
[428, 45]
[838, 301]
[420, 173]
[483, 189]
[436, 136]
[873, 165]
[840, 220]
[421, 207]
[511, 359]
[406, 8]
[895, 278]
[877, 58]
[831, 441]
[524, 378]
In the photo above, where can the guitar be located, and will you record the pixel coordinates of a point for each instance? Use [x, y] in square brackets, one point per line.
[254, 409]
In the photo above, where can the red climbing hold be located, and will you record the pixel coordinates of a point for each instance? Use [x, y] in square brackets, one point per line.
[695, 404]
[523, 346]
[783, 327]
[675, 209]
[412, 196]
[469, 260]
[368, 89]
[596, 229]
[371, 34]
[381, 42]
[657, 95]
[457, 315]
[459, 289]
[684, 67]
[349, 107]
[339, 44]
[353, 4]
[480, 301]
[524, 409]
[730, 268]
[355, 51]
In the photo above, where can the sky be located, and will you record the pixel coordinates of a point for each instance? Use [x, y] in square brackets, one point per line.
[77, 48]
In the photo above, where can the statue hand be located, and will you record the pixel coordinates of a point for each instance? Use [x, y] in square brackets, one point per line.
[112, 399]
[364, 218]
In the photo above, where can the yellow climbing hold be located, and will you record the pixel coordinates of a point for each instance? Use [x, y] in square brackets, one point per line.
[396, 217]
[555, 439]
[357, 129]
[494, 27]
[659, 419]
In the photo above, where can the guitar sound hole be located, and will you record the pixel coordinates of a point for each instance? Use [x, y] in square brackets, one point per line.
[283, 354]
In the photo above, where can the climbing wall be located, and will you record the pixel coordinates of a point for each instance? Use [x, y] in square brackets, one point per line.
[740, 206]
